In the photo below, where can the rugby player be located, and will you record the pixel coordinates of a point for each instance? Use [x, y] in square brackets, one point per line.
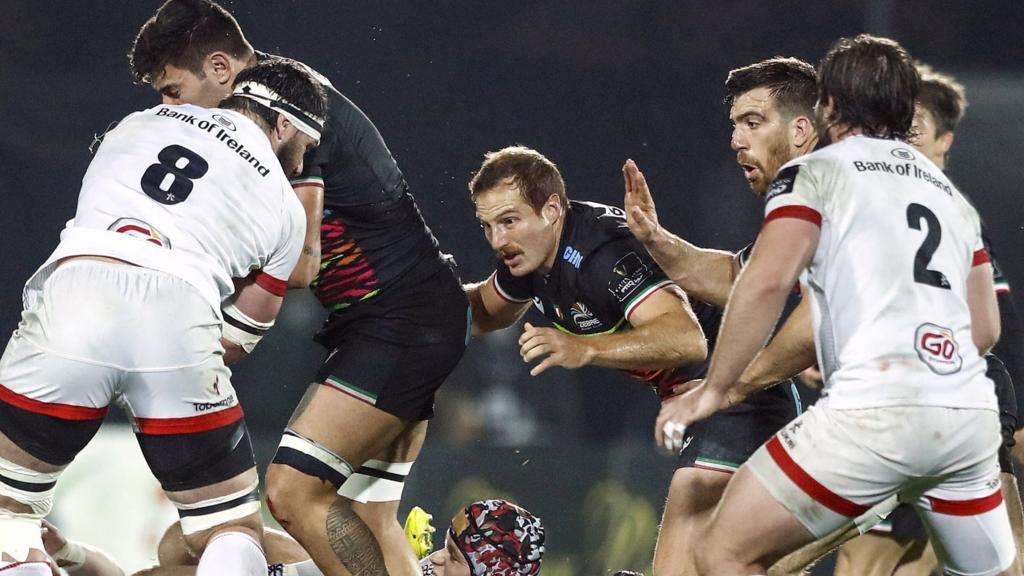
[900, 544]
[909, 411]
[178, 204]
[611, 305]
[398, 316]
[771, 108]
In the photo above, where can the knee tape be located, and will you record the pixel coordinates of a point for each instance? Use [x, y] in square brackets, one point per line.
[28, 487]
[312, 458]
[206, 514]
[377, 481]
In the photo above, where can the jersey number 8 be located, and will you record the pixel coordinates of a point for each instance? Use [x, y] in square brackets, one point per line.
[170, 181]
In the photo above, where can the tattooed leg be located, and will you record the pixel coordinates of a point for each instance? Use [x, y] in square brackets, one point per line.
[352, 541]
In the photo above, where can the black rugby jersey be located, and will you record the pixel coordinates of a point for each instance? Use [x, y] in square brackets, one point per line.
[600, 275]
[372, 234]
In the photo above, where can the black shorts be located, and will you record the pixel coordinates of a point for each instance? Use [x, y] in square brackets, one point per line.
[904, 523]
[395, 350]
[726, 440]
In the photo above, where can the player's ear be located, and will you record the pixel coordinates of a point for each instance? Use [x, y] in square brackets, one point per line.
[552, 209]
[281, 126]
[218, 65]
[801, 130]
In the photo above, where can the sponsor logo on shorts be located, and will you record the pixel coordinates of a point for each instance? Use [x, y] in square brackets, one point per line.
[583, 317]
[207, 406]
[937, 348]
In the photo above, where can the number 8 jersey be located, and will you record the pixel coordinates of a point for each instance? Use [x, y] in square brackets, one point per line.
[194, 192]
[888, 280]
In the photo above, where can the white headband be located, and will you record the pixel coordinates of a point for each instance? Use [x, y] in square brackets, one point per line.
[305, 122]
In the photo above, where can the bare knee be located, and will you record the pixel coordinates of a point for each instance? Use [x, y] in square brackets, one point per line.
[291, 494]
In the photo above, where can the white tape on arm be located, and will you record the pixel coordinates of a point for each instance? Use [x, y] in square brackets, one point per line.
[242, 330]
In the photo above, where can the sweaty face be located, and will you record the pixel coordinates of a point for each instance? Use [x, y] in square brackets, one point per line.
[925, 139]
[447, 561]
[524, 240]
[180, 86]
[292, 151]
[759, 137]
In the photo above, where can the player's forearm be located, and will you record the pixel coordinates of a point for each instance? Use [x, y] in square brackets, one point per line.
[790, 352]
[653, 346]
[752, 311]
[312, 199]
[85, 560]
[483, 320]
[704, 274]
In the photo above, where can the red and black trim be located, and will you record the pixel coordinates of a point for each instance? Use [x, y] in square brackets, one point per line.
[197, 459]
[275, 286]
[190, 424]
[971, 507]
[801, 212]
[816, 490]
[54, 433]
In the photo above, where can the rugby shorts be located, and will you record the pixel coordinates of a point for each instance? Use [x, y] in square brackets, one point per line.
[393, 351]
[829, 467]
[98, 332]
[725, 440]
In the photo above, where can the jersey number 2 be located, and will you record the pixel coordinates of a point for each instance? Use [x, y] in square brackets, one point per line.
[922, 274]
[170, 181]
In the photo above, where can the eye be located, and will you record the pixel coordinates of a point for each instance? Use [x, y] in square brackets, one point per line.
[508, 221]
[753, 123]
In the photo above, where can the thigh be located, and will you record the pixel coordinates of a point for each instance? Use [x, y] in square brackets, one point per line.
[692, 496]
[732, 535]
[871, 554]
[381, 479]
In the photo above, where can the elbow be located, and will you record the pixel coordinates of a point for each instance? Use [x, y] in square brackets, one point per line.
[232, 352]
[692, 348]
[986, 339]
[303, 276]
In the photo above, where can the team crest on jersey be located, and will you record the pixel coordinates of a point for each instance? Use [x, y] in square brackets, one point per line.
[583, 317]
[938, 349]
[902, 154]
[225, 122]
[538, 304]
[630, 274]
[783, 183]
[140, 229]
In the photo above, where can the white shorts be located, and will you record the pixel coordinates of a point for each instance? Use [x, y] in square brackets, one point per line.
[829, 467]
[100, 331]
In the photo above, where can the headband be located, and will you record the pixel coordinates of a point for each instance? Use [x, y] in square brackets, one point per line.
[305, 122]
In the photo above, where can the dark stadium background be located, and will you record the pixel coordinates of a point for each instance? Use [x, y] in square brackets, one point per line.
[587, 83]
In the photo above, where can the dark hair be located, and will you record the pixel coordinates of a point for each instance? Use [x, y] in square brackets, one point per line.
[873, 84]
[536, 177]
[183, 33]
[790, 81]
[291, 80]
[943, 96]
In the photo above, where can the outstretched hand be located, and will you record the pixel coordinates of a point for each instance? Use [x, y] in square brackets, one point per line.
[641, 216]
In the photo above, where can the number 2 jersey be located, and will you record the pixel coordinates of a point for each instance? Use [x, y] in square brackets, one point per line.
[600, 275]
[194, 192]
[888, 280]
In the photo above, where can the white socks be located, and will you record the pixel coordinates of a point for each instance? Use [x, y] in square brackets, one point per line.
[232, 554]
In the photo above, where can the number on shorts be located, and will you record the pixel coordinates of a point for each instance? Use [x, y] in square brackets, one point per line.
[170, 181]
[922, 274]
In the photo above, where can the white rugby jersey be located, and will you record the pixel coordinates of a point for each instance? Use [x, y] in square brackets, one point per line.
[888, 280]
[194, 192]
